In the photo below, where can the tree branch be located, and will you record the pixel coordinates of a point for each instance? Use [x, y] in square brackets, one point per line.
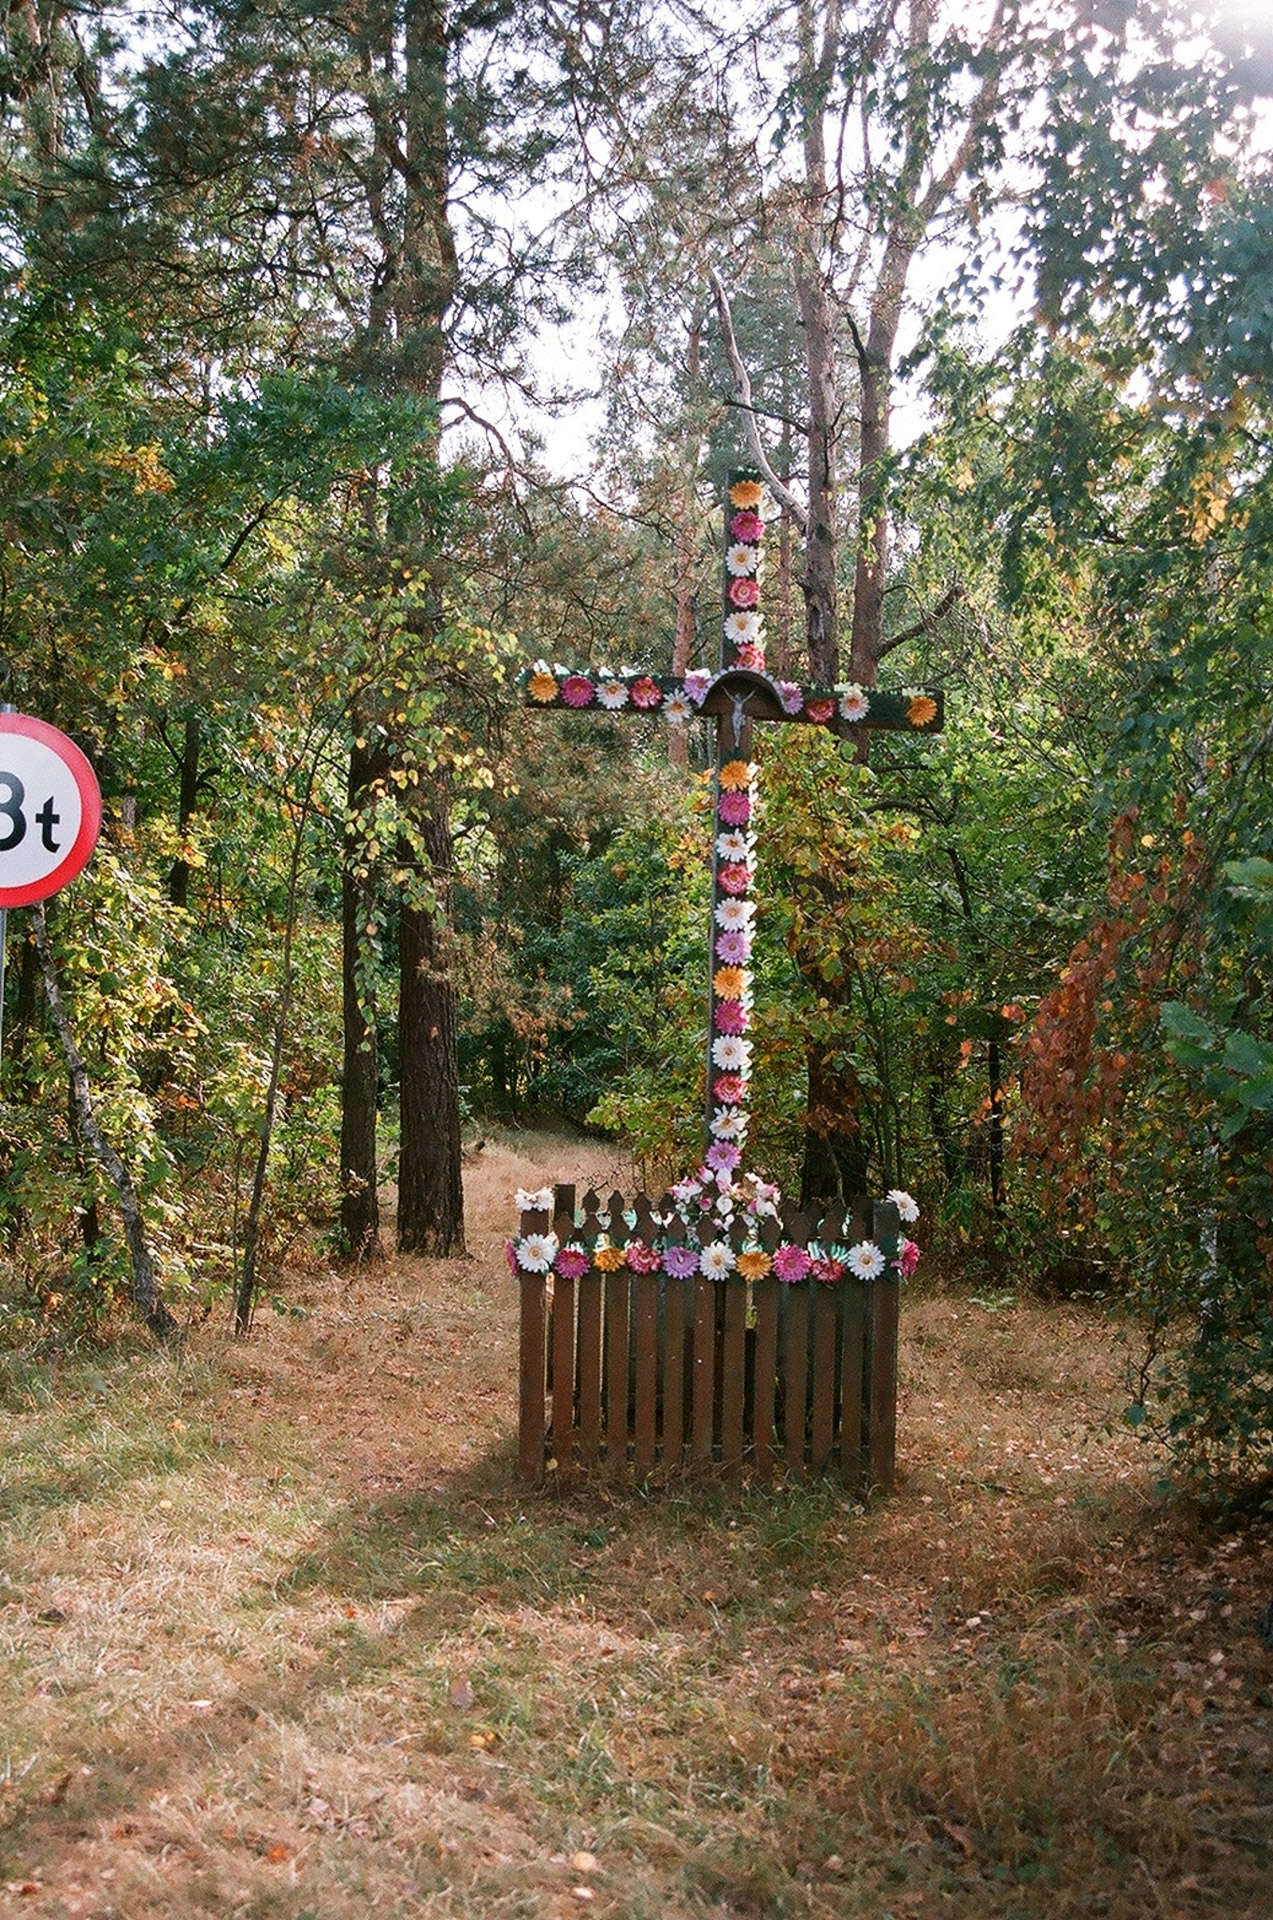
[742, 384]
[927, 621]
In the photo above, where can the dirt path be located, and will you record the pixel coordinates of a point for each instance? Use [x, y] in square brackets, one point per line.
[282, 1638]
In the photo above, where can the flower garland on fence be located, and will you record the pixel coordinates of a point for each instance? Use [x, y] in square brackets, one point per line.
[697, 1235]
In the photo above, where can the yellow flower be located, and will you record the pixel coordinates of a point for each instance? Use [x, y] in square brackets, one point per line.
[542, 687]
[746, 493]
[729, 982]
[736, 773]
[755, 1265]
[921, 710]
[608, 1259]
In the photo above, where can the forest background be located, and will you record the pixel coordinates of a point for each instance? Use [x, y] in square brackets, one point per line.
[277, 533]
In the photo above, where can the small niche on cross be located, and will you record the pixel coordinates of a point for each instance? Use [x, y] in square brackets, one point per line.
[714, 1325]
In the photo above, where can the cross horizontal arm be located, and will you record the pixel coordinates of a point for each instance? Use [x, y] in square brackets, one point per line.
[682, 698]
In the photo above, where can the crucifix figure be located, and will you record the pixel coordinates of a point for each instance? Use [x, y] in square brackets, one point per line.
[738, 694]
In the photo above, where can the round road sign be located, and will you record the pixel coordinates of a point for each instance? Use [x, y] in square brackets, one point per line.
[50, 810]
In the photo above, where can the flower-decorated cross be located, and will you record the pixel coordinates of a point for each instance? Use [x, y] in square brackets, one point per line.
[737, 694]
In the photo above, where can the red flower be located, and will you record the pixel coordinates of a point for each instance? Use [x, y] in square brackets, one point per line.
[747, 527]
[576, 690]
[819, 711]
[827, 1269]
[645, 693]
[744, 593]
[728, 1088]
[734, 877]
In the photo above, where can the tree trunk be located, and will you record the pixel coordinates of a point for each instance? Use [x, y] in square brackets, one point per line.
[187, 802]
[430, 1192]
[359, 1201]
[145, 1279]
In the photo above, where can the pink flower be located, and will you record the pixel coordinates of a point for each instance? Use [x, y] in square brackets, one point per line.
[744, 593]
[827, 1270]
[510, 1254]
[642, 1259]
[907, 1259]
[820, 711]
[722, 1156]
[791, 1263]
[680, 1262]
[791, 696]
[747, 527]
[576, 690]
[752, 656]
[733, 947]
[735, 808]
[696, 685]
[728, 1088]
[645, 693]
[571, 1264]
[731, 1017]
[734, 877]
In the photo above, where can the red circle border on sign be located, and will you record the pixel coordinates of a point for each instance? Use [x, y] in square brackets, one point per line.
[77, 858]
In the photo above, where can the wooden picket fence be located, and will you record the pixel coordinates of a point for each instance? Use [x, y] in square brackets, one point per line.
[640, 1373]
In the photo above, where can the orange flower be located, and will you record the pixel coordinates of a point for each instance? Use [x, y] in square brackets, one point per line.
[729, 982]
[921, 710]
[754, 1266]
[542, 687]
[735, 773]
[608, 1259]
[746, 493]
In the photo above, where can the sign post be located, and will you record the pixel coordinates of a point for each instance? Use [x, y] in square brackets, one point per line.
[50, 817]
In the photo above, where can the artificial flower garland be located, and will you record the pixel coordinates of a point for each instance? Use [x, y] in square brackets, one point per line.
[678, 697]
[697, 1234]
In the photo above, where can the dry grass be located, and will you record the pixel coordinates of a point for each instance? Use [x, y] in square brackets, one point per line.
[282, 1638]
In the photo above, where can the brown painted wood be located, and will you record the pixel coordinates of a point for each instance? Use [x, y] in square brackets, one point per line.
[616, 1387]
[733, 1362]
[673, 1372]
[703, 1388]
[589, 1368]
[882, 1413]
[643, 1427]
[795, 1376]
[765, 1374]
[531, 1362]
[823, 1416]
[563, 1374]
[852, 1372]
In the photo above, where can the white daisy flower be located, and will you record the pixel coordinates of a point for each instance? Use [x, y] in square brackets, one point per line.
[731, 1053]
[742, 560]
[855, 703]
[743, 626]
[717, 1260]
[612, 694]
[735, 915]
[678, 710]
[537, 1202]
[733, 845]
[866, 1260]
[536, 1253]
[729, 1124]
[907, 1208]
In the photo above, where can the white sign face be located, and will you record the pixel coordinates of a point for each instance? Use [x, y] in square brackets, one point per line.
[50, 810]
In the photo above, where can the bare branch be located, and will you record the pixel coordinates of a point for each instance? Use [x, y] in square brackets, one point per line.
[742, 385]
[927, 621]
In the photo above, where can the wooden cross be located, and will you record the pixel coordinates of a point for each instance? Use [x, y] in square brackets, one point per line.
[736, 695]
